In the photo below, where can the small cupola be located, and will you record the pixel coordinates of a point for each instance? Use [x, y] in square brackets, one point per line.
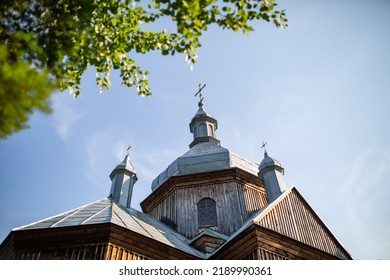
[123, 178]
[272, 173]
[203, 125]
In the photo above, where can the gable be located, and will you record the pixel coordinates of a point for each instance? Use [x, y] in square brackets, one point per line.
[292, 216]
[208, 240]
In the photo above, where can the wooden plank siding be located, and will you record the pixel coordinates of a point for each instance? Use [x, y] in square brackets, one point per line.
[7, 248]
[294, 218]
[88, 242]
[259, 243]
[237, 248]
[114, 252]
[90, 252]
[207, 244]
[236, 201]
[261, 254]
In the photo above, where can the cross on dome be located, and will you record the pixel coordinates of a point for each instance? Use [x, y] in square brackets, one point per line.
[200, 94]
[263, 146]
[128, 149]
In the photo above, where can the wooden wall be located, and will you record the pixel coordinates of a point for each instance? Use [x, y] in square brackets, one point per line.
[259, 243]
[87, 242]
[294, 218]
[261, 254]
[89, 252]
[235, 201]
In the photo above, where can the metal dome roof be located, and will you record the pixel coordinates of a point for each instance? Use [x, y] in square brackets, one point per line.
[204, 157]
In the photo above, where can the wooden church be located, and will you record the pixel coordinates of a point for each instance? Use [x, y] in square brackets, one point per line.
[209, 203]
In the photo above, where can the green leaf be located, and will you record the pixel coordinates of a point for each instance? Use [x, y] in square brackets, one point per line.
[50, 44]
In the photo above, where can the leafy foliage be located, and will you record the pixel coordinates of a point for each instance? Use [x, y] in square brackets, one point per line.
[49, 44]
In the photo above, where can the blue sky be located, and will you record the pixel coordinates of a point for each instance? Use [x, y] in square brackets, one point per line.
[317, 93]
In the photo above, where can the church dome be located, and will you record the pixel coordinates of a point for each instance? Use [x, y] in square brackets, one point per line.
[268, 162]
[124, 165]
[205, 154]
[201, 158]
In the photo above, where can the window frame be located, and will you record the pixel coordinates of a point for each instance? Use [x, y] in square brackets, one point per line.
[207, 212]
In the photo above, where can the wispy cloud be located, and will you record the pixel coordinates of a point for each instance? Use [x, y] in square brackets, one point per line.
[97, 156]
[364, 194]
[148, 163]
[64, 115]
[151, 163]
[102, 152]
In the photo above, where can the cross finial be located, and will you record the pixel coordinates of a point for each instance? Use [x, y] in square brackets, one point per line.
[200, 94]
[263, 147]
[128, 150]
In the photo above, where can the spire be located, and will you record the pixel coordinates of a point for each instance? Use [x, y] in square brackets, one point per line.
[203, 125]
[123, 178]
[272, 173]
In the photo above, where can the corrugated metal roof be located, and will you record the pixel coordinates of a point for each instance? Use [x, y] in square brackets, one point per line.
[107, 211]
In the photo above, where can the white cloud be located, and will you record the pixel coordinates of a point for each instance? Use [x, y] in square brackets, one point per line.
[364, 195]
[97, 157]
[151, 162]
[102, 152]
[64, 115]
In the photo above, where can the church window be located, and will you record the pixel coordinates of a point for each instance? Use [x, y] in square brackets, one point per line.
[207, 212]
[202, 130]
[211, 130]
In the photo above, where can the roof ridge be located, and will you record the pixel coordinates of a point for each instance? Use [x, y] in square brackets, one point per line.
[77, 210]
[97, 213]
[253, 219]
[58, 215]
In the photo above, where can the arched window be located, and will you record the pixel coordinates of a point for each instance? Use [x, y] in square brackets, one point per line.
[211, 130]
[207, 212]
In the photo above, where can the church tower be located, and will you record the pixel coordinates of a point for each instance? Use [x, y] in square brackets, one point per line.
[272, 173]
[203, 127]
[123, 178]
[207, 189]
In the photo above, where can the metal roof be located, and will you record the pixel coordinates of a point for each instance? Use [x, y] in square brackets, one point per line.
[204, 157]
[269, 161]
[108, 211]
[201, 112]
[124, 165]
